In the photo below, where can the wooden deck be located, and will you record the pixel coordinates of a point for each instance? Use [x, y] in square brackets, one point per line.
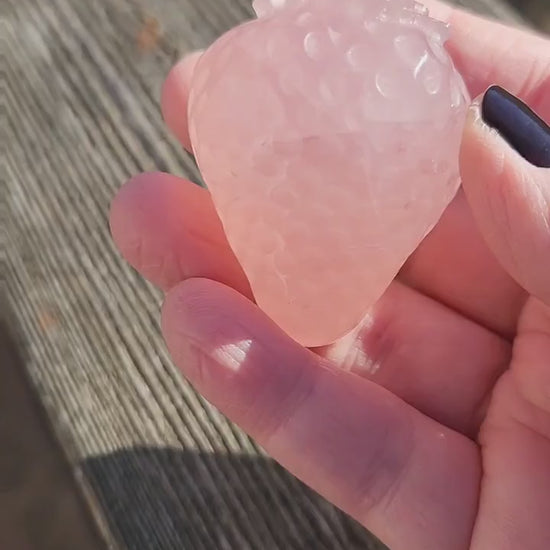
[159, 468]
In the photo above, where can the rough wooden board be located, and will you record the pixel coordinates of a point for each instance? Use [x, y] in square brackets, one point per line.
[164, 468]
[40, 506]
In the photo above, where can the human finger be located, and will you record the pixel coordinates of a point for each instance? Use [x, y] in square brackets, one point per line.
[505, 158]
[167, 228]
[354, 442]
[435, 359]
[175, 95]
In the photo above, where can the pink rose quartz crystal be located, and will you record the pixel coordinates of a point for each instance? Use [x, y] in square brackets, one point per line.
[328, 133]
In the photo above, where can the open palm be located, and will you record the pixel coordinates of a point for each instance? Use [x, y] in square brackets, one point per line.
[430, 423]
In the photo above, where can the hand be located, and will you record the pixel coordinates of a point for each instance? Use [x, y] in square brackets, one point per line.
[430, 424]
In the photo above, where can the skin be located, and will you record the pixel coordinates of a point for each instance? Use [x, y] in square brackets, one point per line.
[430, 423]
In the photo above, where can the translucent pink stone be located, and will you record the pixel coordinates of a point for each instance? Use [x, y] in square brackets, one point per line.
[328, 133]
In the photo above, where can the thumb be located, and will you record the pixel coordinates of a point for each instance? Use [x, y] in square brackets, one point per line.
[504, 160]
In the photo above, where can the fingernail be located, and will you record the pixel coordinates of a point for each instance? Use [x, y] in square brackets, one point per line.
[520, 126]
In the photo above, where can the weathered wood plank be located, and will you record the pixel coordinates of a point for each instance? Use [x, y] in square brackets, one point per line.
[164, 468]
[40, 507]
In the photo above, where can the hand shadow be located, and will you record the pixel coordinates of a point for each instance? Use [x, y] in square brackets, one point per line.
[172, 499]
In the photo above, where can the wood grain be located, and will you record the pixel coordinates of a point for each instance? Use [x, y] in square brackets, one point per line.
[80, 88]
[40, 507]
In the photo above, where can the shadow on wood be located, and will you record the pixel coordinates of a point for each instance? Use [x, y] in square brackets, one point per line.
[40, 506]
[159, 499]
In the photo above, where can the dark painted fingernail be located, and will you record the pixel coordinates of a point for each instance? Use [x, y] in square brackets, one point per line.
[521, 127]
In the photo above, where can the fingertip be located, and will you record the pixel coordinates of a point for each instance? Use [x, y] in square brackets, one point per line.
[491, 168]
[187, 308]
[481, 153]
[234, 355]
[213, 314]
[176, 319]
[223, 324]
[509, 198]
[134, 201]
[146, 222]
[195, 330]
[224, 345]
[175, 96]
[125, 210]
[167, 228]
